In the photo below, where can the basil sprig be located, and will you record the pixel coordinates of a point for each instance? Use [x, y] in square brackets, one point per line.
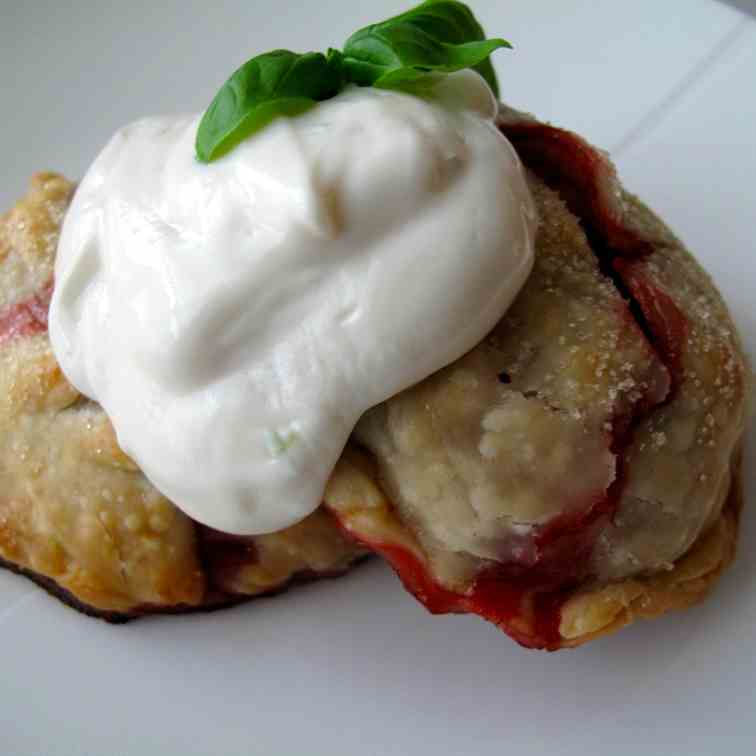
[436, 37]
[409, 51]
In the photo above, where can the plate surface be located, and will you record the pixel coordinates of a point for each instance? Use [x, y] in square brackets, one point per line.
[355, 666]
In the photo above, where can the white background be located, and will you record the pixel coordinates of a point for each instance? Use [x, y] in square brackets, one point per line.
[355, 667]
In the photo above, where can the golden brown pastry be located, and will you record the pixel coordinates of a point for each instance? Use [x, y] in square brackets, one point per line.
[579, 468]
[76, 514]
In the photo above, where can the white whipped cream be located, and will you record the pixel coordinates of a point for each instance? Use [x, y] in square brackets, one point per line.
[235, 319]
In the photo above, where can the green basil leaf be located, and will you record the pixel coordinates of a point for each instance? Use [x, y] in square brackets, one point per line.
[278, 83]
[437, 36]
[457, 57]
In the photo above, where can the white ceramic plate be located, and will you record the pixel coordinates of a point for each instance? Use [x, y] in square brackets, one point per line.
[355, 666]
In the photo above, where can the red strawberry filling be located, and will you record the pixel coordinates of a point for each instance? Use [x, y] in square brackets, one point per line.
[27, 317]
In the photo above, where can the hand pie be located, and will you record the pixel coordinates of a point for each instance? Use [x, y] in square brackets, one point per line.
[76, 514]
[579, 468]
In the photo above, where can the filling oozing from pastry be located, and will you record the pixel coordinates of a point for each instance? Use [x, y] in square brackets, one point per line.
[236, 319]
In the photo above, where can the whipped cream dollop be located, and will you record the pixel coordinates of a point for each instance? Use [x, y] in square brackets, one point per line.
[235, 319]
